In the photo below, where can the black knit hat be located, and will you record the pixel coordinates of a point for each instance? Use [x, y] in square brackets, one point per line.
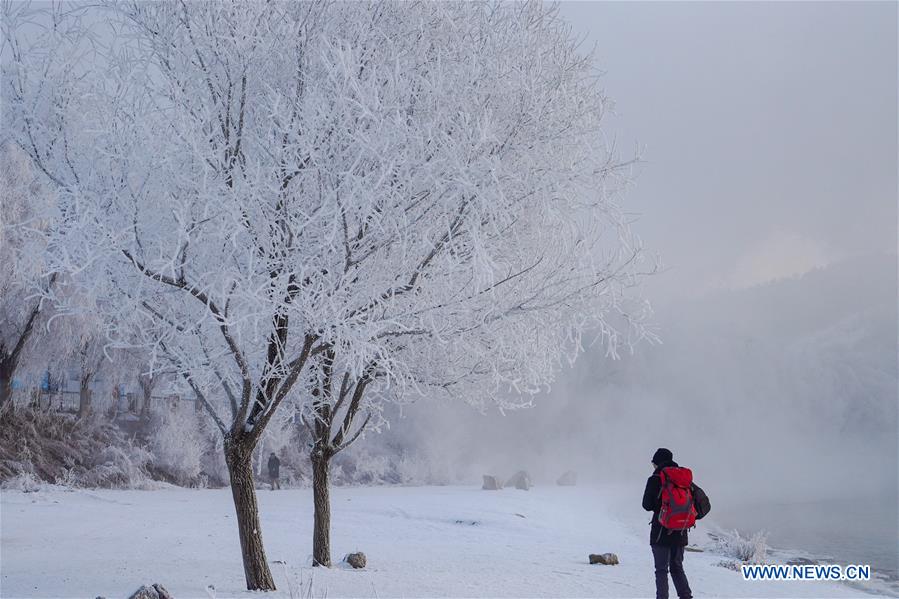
[662, 456]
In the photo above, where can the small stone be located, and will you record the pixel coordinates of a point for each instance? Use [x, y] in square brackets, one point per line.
[145, 592]
[569, 479]
[492, 483]
[357, 560]
[163, 592]
[606, 559]
[153, 591]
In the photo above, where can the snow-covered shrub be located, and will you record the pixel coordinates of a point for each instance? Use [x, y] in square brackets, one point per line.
[370, 468]
[68, 478]
[119, 467]
[412, 469]
[213, 469]
[177, 444]
[25, 482]
[59, 448]
[364, 464]
[752, 550]
[339, 474]
[416, 468]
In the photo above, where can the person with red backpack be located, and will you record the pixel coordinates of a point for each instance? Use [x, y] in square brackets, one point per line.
[676, 503]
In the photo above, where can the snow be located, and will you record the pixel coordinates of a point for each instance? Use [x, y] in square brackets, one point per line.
[419, 541]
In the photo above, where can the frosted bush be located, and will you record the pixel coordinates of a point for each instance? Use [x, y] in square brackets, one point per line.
[120, 468]
[373, 469]
[178, 445]
[363, 465]
[68, 478]
[418, 469]
[338, 474]
[752, 550]
[411, 470]
[51, 447]
[25, 482]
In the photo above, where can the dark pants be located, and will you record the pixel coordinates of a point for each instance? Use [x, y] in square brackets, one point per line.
[670, 558]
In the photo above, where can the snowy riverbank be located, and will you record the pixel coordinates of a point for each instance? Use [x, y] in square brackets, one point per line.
[420, 541]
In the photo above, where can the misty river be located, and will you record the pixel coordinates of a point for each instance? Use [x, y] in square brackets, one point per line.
[861, 530]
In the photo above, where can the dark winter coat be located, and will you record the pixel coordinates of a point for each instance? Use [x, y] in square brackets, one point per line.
[658, 535]
[274, 466]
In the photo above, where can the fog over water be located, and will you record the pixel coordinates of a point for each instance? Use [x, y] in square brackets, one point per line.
[769, 192]
[782, 398]
[787, 383]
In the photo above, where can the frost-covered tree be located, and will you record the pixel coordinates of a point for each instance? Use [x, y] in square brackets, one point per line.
[148, 381]
[345, 202]
[25, 209]
[87, 354]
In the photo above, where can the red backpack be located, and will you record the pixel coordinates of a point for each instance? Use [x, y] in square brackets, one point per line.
[677, 511]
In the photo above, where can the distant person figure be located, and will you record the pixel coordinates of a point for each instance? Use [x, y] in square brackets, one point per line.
[669, 498]
[274, 468]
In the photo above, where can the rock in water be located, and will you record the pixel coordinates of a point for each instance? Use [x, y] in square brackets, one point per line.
[569, 479]
[357, 560]
[606, 559]
[153, 591]
[520, 480]
[492, 483]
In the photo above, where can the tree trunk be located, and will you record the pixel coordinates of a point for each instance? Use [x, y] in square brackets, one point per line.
[145, 408]
[6, 370]
[240, 470]
[5, 394]
[5, 391]
[321, 492]
[9, 359]
[84, 398]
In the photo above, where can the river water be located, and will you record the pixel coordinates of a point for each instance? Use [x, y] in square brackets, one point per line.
[857, 531]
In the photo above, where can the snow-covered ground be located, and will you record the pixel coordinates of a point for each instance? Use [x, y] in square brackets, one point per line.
[420, 542]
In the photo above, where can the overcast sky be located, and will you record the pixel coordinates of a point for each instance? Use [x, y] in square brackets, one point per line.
[768, 131]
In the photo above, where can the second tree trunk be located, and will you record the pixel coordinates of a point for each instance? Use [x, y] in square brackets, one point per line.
[321, 491]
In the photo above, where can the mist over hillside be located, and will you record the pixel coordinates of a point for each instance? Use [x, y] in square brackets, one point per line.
[793, 383]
